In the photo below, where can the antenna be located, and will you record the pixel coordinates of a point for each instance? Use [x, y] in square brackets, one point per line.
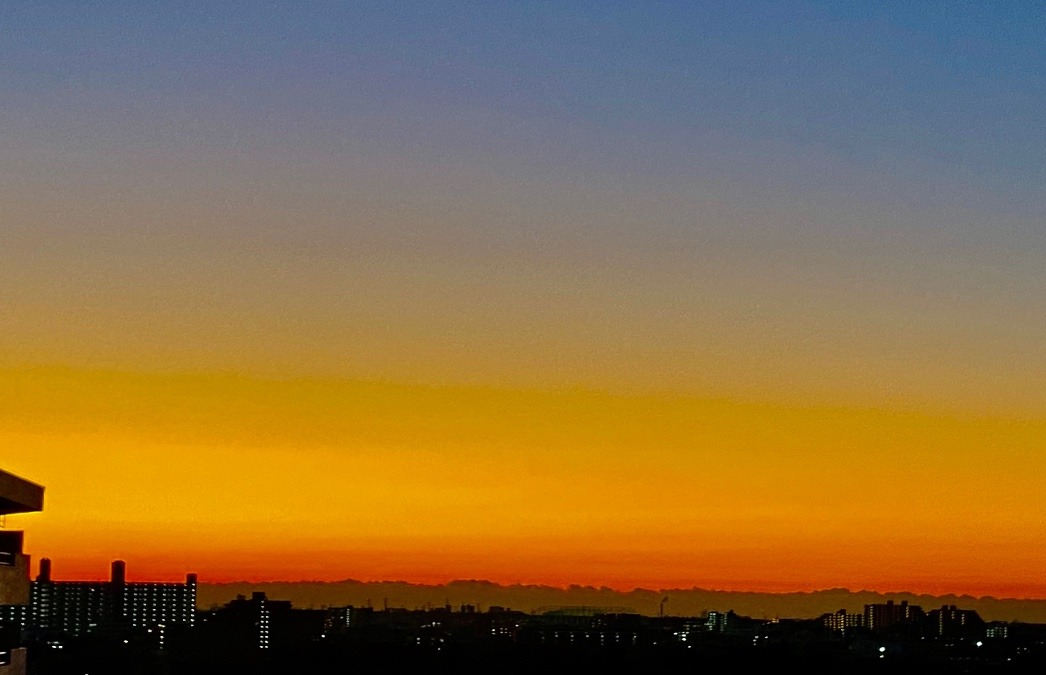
[661, 607]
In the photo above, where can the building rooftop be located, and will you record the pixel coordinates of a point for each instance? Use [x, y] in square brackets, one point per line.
[17, 495]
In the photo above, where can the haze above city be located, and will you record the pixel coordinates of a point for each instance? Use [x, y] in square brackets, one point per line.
[737, 296]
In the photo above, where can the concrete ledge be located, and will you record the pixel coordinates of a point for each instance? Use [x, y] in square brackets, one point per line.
[18, 495]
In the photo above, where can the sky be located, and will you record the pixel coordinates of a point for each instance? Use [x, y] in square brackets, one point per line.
[746, 296]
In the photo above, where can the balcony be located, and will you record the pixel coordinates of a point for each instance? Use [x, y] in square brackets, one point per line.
[17, 495]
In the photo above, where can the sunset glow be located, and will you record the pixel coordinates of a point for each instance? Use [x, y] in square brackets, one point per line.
[322, 479]
[608, 294]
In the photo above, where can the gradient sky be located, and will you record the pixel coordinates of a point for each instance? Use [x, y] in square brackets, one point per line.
[741, 295]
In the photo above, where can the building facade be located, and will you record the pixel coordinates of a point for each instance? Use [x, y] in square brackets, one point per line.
[882, 616]
[17, 495]
[76, 607]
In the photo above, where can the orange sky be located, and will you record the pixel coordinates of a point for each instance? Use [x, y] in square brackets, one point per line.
[237, 477]
[746, 296]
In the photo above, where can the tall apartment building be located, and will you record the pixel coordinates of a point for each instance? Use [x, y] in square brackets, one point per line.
[878, 617]
[75, 607]
[842, 621]
[951, 622]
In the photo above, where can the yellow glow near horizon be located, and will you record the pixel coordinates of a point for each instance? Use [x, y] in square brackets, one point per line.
[244, 478]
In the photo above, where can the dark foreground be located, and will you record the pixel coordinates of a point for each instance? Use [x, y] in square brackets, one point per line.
[90, 656]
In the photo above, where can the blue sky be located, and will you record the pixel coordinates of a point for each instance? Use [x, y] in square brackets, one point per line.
[779, 170]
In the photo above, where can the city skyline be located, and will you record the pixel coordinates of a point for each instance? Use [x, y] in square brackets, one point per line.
[78, 606]
[738, 296]
[122, 626]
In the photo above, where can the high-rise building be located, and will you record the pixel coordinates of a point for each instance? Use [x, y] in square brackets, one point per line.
[246, 623]
[75, 607]
[249, 624]
[951, 622]
[881, 616]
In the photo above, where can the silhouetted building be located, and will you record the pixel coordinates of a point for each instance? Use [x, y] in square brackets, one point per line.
[721, 622]
[343, 618]
[77, 607]
[258, 623]
[244, 623]
[14, 616]
[879, 617]
[951, 622]
[997, 630]
[17, 495]
[842, 621]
